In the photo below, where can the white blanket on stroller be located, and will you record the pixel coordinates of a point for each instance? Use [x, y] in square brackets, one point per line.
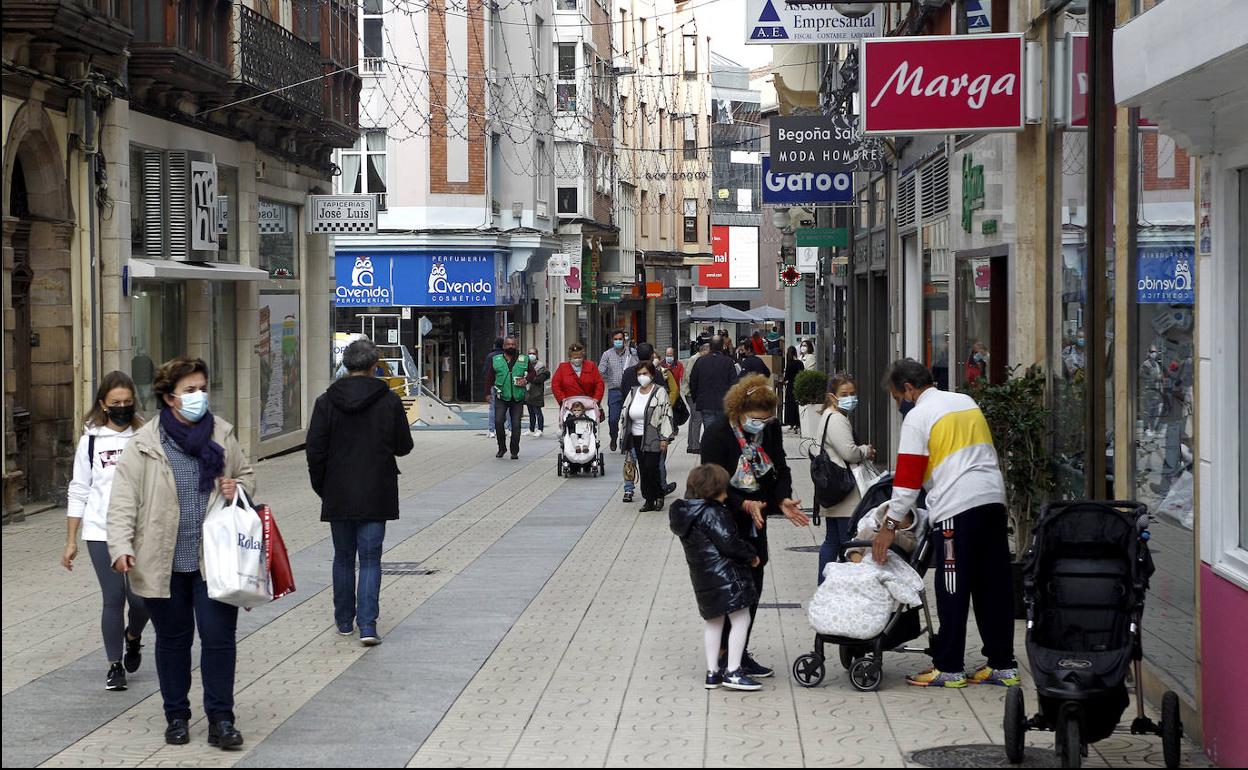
[856, 600]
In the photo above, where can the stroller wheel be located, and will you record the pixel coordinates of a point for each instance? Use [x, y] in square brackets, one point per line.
[1015, 724]
[559, 466]
[808, 670]
[1069, 742]
[865, 675]
[1171, 729]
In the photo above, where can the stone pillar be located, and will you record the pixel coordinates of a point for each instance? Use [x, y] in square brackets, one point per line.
[14, 479]
[52, 370]
[114, 234]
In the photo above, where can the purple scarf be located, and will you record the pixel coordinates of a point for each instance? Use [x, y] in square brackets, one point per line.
[196, 440]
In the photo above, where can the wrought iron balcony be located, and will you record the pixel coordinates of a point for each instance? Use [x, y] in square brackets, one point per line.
[270, 57]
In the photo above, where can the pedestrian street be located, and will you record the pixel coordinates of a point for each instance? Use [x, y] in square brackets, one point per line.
[528, 620]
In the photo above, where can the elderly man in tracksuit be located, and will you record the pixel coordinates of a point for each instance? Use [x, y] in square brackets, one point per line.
[946, 447]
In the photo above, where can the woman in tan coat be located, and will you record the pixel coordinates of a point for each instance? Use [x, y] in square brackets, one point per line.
[171, 474]
[838, 439]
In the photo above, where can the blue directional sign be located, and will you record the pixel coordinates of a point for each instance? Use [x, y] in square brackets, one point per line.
[803, 189]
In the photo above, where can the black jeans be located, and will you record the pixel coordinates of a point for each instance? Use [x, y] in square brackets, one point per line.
[502, 411]
[648, 470]
[978, 571]
[537, 420]
[175, 620]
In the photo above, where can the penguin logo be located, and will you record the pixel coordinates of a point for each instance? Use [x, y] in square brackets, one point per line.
[437, 278]
[1183, 275]
[362, 274]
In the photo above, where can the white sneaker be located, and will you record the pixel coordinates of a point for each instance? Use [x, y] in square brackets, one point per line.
[490, 434]
[537, 434]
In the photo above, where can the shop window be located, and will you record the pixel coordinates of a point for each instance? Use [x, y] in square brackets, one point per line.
[279, 238]
[281, 377]
[158, 334]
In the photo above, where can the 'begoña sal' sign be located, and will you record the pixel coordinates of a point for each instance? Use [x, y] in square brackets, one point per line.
[802, 144]
[942, 84]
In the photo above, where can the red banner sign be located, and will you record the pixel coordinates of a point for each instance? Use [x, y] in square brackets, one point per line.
[716, 276]
[1077, 109]
[944, 84]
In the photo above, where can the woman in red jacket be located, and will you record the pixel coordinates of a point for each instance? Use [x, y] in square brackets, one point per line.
[574, 378]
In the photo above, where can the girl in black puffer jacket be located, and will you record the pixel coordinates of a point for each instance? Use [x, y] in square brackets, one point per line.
[720, 566]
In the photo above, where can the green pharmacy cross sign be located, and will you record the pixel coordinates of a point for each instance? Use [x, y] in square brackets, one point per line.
[972, 191]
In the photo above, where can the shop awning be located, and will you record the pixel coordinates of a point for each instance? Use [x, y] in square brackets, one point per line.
[194, 271]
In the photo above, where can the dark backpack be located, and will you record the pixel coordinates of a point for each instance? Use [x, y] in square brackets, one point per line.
[833, 483]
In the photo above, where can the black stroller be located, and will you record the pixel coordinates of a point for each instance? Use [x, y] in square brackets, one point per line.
[864, 658]
[1085, 582]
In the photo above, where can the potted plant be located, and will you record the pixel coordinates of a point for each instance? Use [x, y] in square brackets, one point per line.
[1021, 428]
[810, 389]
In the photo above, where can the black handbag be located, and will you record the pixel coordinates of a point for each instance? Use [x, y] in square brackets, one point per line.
[833, 483]
[680, 412]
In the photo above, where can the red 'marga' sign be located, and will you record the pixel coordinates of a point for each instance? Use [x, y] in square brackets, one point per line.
[945, 84]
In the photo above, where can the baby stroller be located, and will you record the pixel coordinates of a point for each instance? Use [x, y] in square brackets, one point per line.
[864, 658]
[1084, 583]
[580, 451]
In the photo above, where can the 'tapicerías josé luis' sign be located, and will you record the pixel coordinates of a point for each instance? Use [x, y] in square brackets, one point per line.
[946, 84]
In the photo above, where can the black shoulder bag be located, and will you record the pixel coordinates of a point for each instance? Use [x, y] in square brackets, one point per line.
[832, 482]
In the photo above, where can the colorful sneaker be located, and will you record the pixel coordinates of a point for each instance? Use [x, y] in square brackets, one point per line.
[934, 678]
[714, 679]
[1001, 677]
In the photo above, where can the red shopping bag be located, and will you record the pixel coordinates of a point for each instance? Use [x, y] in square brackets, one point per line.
[281, 579]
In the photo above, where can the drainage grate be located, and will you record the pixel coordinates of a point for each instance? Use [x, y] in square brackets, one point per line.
[404, 568]
[804, 548]
[979, 755]
[779, 606]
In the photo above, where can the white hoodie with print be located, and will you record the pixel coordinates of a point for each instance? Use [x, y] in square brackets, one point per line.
[93, 479]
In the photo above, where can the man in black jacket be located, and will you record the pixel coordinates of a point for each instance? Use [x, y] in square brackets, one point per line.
[752, 364]
[487, 377]
[710, 380]
[358, 427]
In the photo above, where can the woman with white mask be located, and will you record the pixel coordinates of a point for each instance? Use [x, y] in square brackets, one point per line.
[838, 440]
[646, 428]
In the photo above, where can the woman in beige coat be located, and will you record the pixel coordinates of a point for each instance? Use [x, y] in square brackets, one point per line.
[838, 439]
[170, 475]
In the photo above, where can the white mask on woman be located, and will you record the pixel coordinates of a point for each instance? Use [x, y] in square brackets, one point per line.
[644, 380]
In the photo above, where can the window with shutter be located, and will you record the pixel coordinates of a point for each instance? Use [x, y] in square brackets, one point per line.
[153, 204]
[934, 191]
[906, 199]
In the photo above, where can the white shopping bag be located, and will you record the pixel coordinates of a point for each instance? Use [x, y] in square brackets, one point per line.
[234, 554]
[865, 475]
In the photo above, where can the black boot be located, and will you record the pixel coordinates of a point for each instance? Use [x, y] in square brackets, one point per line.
[224, 735]
[177, 733]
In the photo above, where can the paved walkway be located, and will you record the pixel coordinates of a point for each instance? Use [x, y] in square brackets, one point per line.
[557, 627]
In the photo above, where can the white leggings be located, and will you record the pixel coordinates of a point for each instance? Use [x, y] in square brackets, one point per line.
[736, 639]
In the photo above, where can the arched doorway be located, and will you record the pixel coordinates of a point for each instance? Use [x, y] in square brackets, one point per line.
[39, 421]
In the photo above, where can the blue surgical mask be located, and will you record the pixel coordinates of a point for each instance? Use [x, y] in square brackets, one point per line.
[848, 403]
[753, 425]
[669, 359]
[194, 405]
[905, 406]
[619, 344]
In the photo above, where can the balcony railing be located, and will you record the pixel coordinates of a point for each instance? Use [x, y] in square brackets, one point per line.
[271, 58]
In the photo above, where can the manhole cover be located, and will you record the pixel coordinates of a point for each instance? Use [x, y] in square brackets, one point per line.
[980, 755]
[404, 568]
[804, 548]
[779, 606]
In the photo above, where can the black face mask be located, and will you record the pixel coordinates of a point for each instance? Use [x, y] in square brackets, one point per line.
[509, 352]
[120, 415]
[904, 406]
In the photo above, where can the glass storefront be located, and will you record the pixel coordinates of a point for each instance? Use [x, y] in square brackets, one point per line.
[227, 213]
[158, 334]
[281, 379]
[935, 324]
[279, 239]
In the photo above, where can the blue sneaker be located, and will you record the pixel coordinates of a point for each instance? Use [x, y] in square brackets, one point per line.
[753, 668]
[346, 630]
[714, 679]
[738, 680]
[369, 638]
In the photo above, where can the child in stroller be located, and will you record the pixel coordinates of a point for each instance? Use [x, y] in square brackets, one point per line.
[864, 658]
[581, 452]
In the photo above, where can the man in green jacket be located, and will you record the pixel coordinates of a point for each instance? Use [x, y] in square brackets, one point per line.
[508, 394]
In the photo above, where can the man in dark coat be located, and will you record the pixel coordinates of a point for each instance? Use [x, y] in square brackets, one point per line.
[358, 427]
[710, 380]
[752, 364]
[487, 376]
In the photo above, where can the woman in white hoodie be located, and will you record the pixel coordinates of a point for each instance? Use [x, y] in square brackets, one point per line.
[109, 427]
